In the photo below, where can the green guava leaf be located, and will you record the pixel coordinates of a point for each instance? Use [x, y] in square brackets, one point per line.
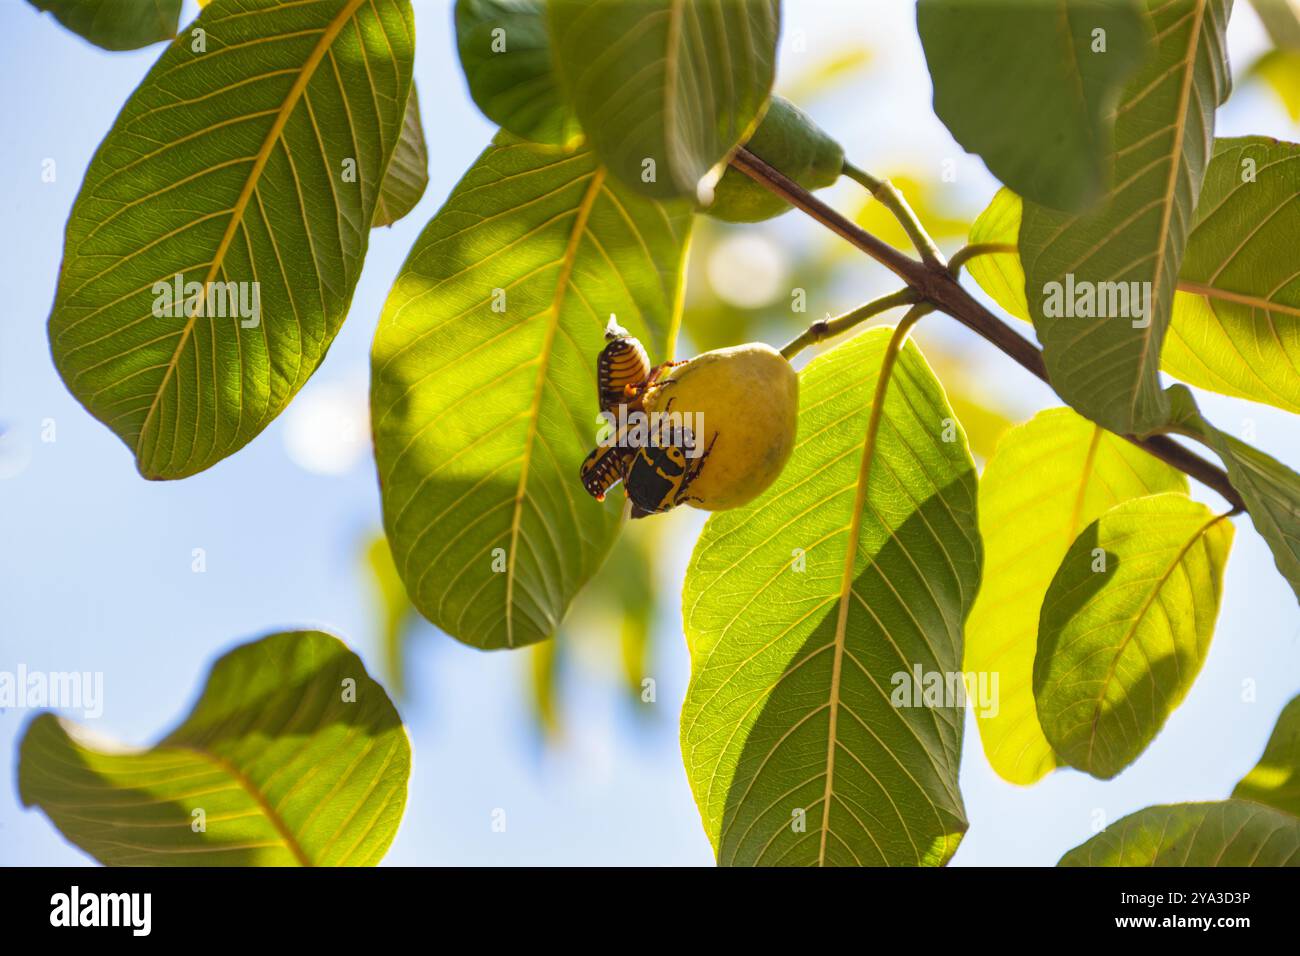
[1228, 833]
[1270, 490]
[252, 170]
[1275, 780]
[1031, 87]
[1100, 285]
[293, 755]
[505, 53]
[1001, 274]
[483, 386]
[1223, 339]
[809, 610]
[1048, 480]
[1257, 827]
[116, 24]
[1236, 326]
[665, 89]
[408, 169]
[790, 141]
[1125, 627]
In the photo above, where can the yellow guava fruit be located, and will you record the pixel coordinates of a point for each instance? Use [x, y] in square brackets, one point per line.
[746, 400]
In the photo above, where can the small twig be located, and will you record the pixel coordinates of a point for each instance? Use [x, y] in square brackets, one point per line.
[829, 328]
[884, 191]
[937, 287]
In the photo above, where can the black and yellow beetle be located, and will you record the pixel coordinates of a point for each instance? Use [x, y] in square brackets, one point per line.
[658, 477]
[623, 371]
[603, 468]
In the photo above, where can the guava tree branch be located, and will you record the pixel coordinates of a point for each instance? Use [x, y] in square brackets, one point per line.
[937, 285]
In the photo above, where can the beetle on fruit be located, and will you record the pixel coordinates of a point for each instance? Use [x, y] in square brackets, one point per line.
[623, 372]
[659, 475]
[745, 399]
[603, 468]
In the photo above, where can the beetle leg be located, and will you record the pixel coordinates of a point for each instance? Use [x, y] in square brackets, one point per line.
[699, 462]
[652, 380]
[692, 474]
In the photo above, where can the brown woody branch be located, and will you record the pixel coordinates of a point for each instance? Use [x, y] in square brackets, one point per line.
[937, 285]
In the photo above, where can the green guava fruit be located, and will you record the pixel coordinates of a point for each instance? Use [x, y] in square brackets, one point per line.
[745, 401]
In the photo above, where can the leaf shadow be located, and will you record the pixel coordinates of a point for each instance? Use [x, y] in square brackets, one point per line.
[895, 799]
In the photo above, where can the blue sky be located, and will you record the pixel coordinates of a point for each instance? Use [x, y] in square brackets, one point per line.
[95, 563]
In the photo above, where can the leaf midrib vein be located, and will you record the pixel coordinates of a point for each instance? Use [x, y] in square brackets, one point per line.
[534, 413]
[273, 135]
[254, 792]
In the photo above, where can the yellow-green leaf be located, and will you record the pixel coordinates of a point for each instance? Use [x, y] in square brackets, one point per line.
[1125, 627]
[665, 89]
[1100, 285]
[808, 610]
[483, 387]
[249, 169]
[1228, 833]
[1275, 780]
[505, 53]
[1236, 323]
[1025, 86]
[116, 24]
[1000, 274]
[1232, 330]
[1049, 479]
[293, 755]
[1269, 489]
[408, 169]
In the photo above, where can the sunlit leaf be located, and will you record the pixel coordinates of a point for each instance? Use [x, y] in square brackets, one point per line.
[1104, 359]
[252, 170]
[1049, 479]
[1000, 274]
[293, 755]
[116, 24]
[665, 89]
[1237, 319]
[1269, 488]
[806, 609]
[1275, 780]
[1125, 627]
[1229, 833]
[505, 53]
[483, 396]
[1025, 86]
[408, 170]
